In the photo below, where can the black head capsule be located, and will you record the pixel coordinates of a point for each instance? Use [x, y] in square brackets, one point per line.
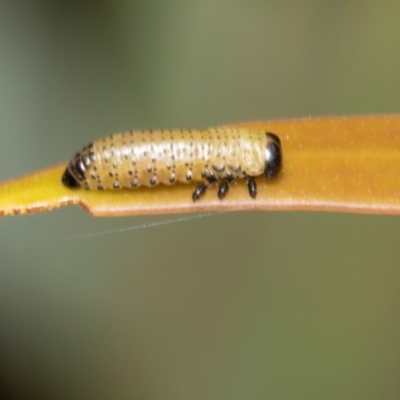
[273, 156]
[274, 137]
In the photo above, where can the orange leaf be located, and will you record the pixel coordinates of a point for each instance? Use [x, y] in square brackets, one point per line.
[347, 164]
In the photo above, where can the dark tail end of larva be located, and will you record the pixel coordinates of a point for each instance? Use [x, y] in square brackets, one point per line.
[71, 175]
[69, 180]
[75, 174]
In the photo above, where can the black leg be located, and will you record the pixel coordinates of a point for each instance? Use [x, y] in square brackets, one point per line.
[199, 191]
[252, 185]
[223, 189]
[231, 179]
[212, 179]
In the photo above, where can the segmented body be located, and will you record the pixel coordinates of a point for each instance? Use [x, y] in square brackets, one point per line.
[148, 158]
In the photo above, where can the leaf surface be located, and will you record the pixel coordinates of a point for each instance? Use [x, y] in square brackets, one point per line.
[348, 164]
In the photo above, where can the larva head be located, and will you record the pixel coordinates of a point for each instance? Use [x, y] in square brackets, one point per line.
[273, 156]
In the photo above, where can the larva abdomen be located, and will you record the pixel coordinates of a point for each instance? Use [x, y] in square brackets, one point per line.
[148, 158]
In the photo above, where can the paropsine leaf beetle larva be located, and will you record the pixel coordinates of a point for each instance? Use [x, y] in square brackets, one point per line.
[217, 156]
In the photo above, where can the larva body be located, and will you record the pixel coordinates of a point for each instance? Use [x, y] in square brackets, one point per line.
[148, 158]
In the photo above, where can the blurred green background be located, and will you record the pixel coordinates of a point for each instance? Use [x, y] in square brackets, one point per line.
[230, 306]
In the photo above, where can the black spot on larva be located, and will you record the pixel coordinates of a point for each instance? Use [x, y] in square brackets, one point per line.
[130, 172]
[149, 168]
[172, 178]
[153, 180]
[100, 187]
[134, 183]
[203, 173]
[189, 175]
[110, 174]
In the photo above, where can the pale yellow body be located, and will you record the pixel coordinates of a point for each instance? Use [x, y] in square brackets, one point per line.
[148, 158]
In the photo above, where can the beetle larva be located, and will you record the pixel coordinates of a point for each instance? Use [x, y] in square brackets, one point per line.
[148, 158]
